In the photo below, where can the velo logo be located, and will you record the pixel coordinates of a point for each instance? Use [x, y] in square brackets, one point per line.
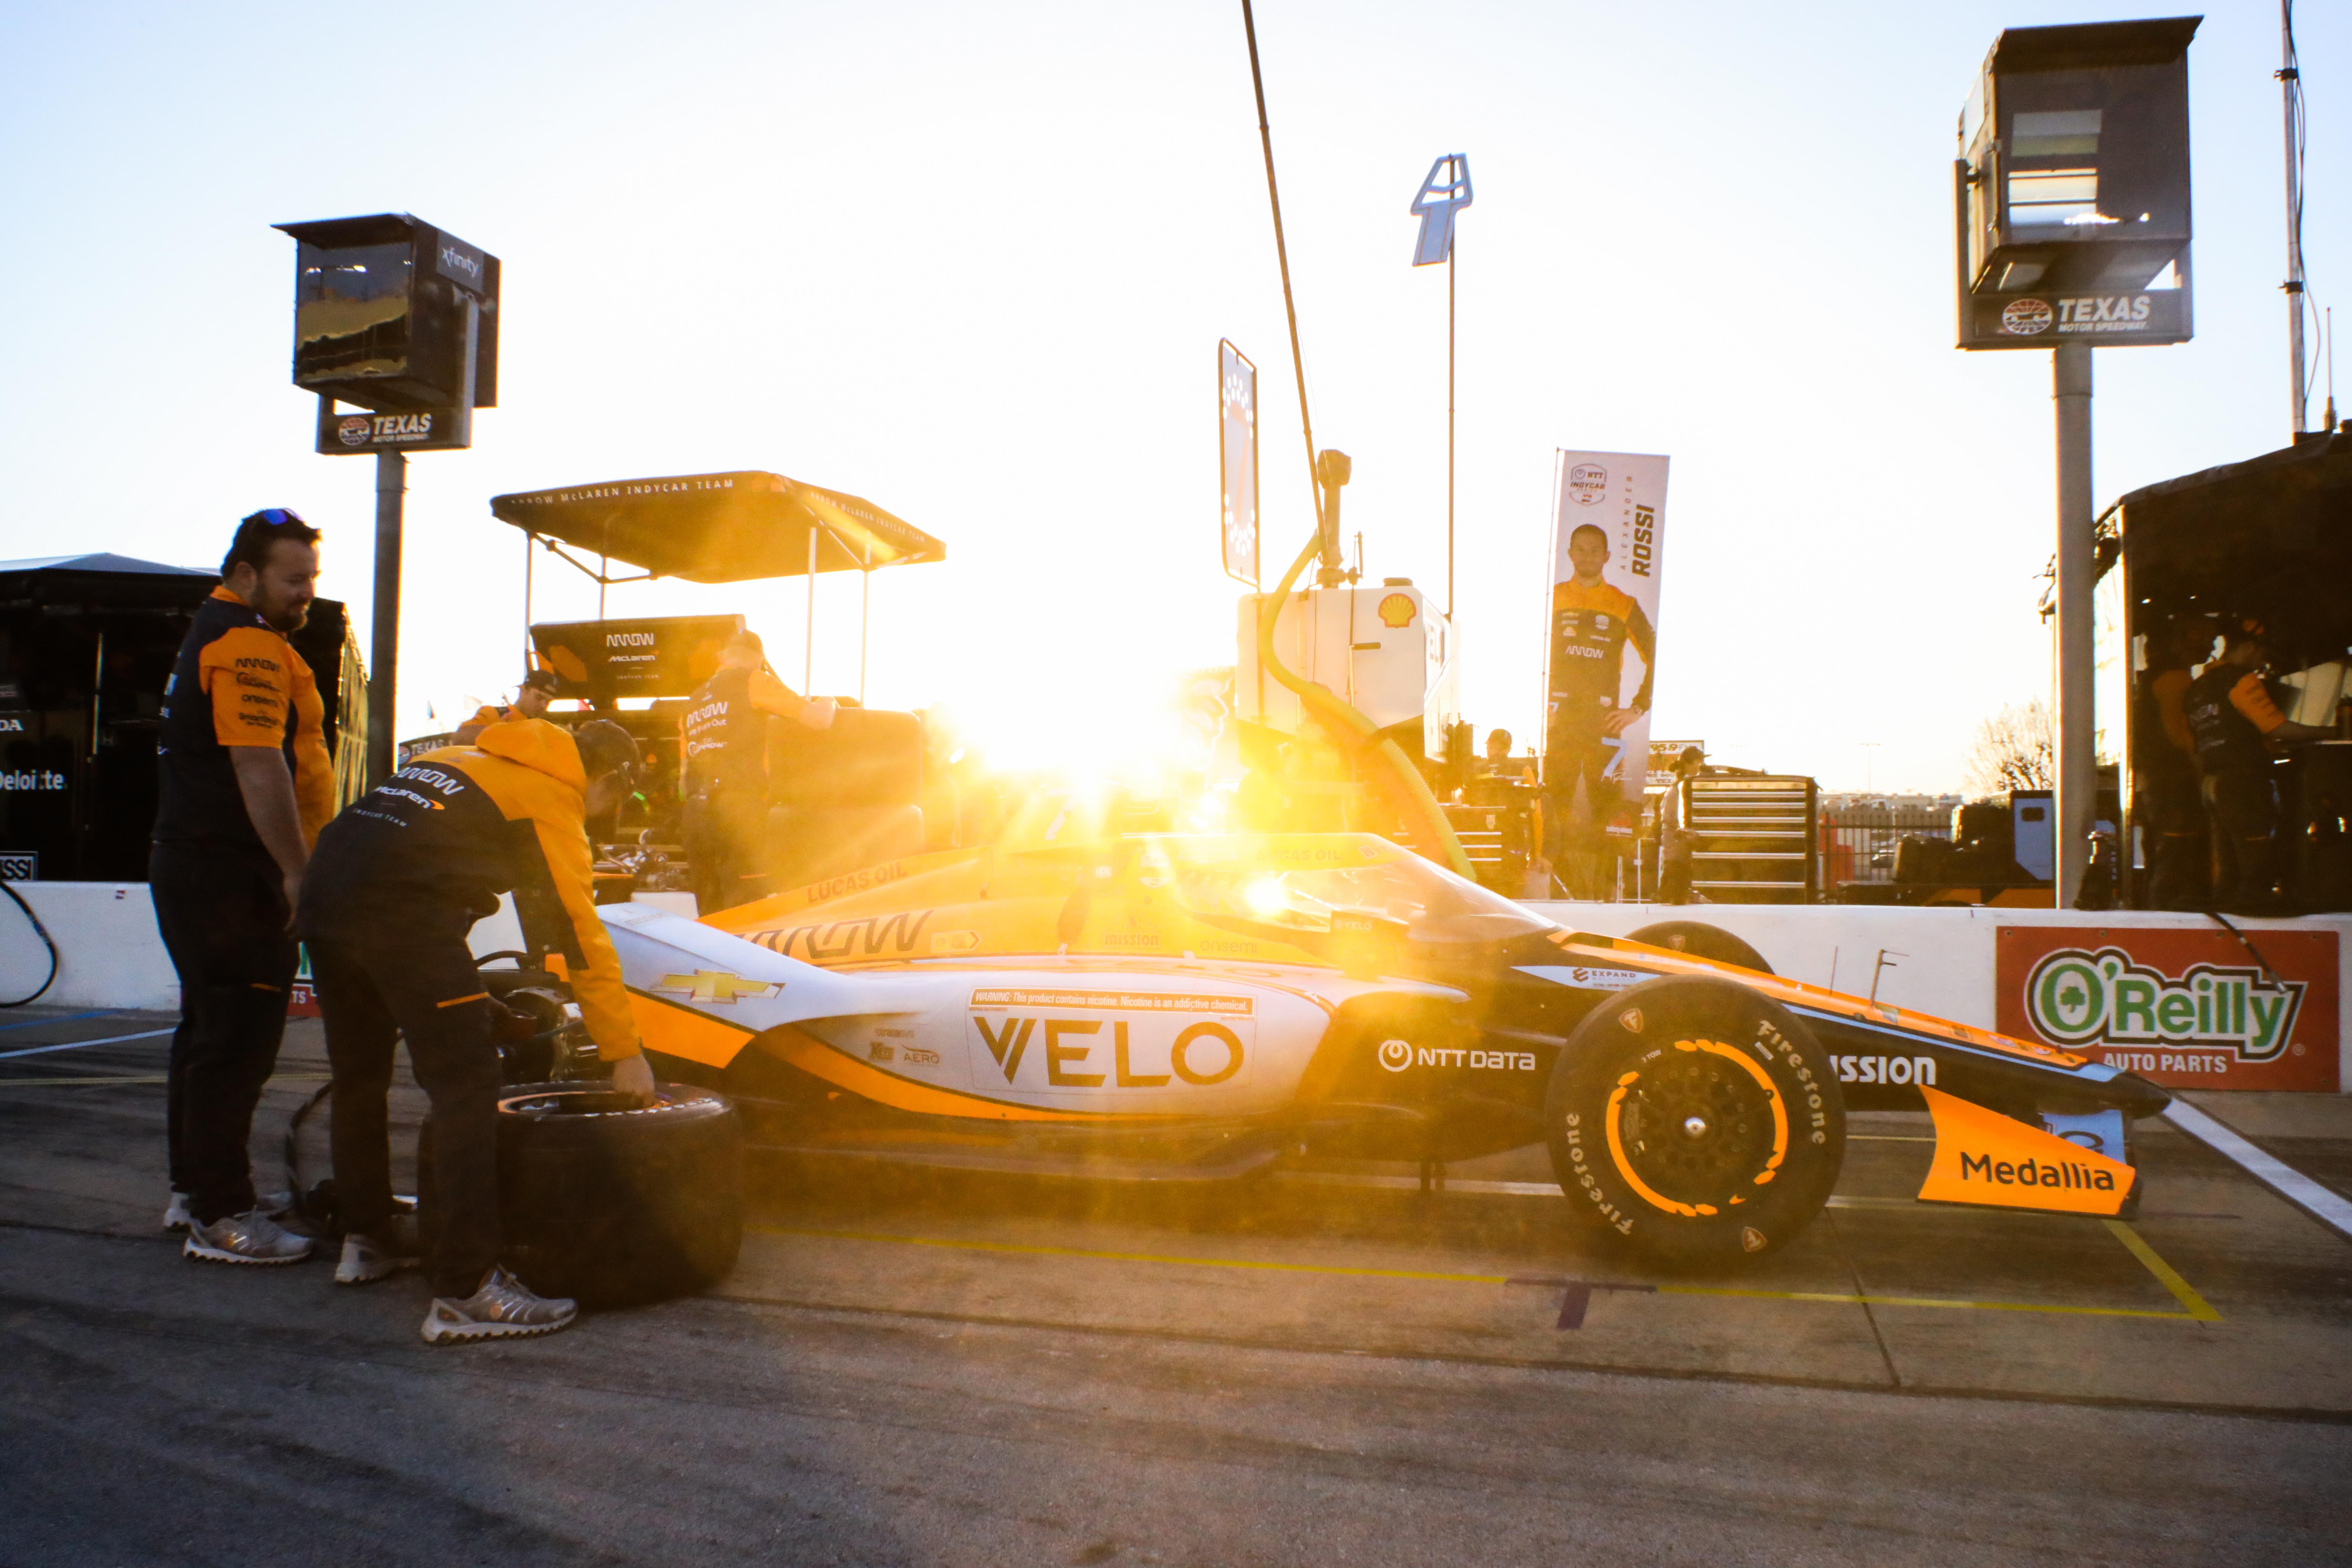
[2074, 998]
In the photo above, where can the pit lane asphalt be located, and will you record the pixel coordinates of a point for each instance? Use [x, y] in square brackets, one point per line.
[914, 1368]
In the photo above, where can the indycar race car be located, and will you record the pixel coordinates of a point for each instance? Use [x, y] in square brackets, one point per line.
[1194, 1006]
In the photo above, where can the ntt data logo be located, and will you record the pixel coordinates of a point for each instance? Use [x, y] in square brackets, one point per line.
[2106, 998]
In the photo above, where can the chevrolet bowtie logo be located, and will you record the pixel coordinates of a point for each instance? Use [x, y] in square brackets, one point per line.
[715, 985]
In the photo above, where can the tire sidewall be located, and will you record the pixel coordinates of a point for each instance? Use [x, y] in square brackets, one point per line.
[1700, 940]
[1633, 1027]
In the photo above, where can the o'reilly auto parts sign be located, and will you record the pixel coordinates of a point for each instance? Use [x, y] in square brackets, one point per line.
[2042, 321]
[2185, 1008]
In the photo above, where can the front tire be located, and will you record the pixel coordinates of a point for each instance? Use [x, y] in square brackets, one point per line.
[1701, 940]
[1695, 1122]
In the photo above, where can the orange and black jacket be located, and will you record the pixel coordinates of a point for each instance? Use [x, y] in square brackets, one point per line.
[237, 683]
[2229, 709]
[1589, 629]
[427, 852]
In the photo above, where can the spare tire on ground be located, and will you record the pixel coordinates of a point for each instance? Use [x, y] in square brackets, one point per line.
[1701, 940]
[614, 1204]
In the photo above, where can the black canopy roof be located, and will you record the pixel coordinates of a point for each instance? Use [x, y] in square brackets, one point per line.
[721, 528]
[2270, 538]
[100, 578]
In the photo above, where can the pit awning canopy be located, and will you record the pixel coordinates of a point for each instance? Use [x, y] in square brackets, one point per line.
[2270, 538]
[721, 528]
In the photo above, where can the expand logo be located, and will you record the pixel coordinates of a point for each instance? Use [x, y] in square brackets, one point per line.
[2078, 998]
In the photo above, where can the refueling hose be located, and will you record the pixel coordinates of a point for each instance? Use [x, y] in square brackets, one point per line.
[46, 941]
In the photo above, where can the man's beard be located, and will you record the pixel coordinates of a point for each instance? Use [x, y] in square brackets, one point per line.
[288, 621]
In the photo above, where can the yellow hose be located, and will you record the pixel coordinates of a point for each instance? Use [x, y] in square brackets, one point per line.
[1382, 763]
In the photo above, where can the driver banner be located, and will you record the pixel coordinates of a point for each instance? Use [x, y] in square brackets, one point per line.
[1608, 529]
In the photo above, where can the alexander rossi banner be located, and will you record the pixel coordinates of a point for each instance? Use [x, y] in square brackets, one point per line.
[1608, 519]
[2190, 1009]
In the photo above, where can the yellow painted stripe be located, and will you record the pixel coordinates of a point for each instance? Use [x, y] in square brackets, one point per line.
[1253, 1264]
[2182, 1291]
[1007, 1246]
[1845, 1299]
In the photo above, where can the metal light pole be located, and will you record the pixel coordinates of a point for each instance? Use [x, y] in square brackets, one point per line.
[2078, 769]
[1445, 192]
[2290, 79]
[384, 628]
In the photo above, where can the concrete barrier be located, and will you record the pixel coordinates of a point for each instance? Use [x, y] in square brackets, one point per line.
[108, 952]
[1944, 961]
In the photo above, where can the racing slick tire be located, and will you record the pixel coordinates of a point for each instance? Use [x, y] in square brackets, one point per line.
[1694, 1122]
[613, 1204]
[1701, 940]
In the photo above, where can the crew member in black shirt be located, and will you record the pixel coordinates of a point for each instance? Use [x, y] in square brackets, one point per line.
[2233, 721]
[244, 785]
[725, 743]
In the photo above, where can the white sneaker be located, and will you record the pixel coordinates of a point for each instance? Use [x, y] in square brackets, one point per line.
[367, 1258]
[503, 1308]
[175, 1214]
[250, 1237]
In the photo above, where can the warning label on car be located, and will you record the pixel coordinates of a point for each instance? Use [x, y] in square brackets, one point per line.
[1119, 1000]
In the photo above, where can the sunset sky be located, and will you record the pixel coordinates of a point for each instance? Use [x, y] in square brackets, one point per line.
[972, 263]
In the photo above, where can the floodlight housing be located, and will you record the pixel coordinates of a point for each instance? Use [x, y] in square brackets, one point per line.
[2073, 186]
[380, 309]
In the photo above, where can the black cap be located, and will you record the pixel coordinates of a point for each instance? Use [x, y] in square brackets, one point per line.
[540, 680]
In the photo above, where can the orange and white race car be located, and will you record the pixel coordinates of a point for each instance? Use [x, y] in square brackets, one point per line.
[1196, 1007]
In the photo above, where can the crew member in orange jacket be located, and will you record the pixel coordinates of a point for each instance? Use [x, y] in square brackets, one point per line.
[244, 785]
[531, 699]
[724, 746]
[397, 882]
[2233, 721]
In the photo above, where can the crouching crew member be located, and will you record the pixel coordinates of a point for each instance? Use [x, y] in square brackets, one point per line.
[398, 881]
[531, 698]
[2232, 720]
[725, 735]
[245, 783]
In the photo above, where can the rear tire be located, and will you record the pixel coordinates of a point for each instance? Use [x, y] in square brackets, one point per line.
[1695, 1122]
[613, 1204]
[1701, 940]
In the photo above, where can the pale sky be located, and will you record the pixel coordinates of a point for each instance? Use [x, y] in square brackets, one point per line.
[972, 263]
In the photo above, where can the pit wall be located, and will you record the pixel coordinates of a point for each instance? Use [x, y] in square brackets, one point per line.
[1944, 962]
[1956, 963]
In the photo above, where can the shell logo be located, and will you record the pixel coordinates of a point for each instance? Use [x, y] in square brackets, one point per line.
[1396, 610]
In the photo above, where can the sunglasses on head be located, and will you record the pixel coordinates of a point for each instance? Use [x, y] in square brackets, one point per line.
[278, 517]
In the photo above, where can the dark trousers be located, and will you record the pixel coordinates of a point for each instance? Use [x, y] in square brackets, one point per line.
[726, 835]
[2178, 860]
[221, 913]
[2244, 805]
[427, 989]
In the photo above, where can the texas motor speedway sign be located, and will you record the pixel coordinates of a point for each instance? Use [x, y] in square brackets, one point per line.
[2187, 1008]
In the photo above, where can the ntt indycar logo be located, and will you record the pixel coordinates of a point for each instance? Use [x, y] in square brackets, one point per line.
[2106, 998]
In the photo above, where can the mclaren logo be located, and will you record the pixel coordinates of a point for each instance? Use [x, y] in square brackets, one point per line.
[715, 985]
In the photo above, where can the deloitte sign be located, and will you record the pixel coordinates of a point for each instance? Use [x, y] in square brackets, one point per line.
[2075, 998]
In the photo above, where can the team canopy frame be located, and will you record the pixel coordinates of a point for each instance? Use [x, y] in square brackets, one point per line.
[719, 528]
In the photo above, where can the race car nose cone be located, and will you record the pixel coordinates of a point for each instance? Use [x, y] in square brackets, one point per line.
[1694, 1126]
